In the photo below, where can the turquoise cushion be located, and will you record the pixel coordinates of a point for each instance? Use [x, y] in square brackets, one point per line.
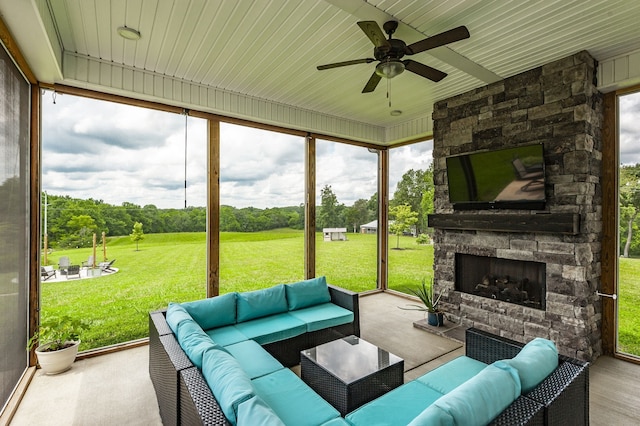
[255, 412]
[175, 315]
[293, 400]
[214, 311]
[323, 316]
[398, 407]
[433, 416]
[229, 384]
[481, 398]
[452, 374]
[338, 421]
[195, 342]
[253, 358]
[535, 362]
[307, 293]
[187, 328]
[226, 335]
[260, 303]
[272, 328]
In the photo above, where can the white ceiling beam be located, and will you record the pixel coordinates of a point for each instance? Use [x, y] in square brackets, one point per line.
[367, 12]
[35, 36]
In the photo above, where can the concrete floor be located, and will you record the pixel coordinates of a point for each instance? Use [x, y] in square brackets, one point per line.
[115, 389]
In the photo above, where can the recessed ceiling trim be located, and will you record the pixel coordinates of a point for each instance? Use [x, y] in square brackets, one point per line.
[101, 75]
[619, 71]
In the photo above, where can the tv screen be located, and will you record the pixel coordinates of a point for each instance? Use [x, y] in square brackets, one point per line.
[510, 178]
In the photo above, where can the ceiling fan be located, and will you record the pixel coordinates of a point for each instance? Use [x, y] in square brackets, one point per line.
[389, 52]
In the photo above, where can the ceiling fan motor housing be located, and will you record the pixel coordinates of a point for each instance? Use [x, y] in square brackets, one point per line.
[395, 50]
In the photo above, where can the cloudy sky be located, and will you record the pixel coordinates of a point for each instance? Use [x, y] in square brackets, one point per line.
[118, 153]
[630, 129]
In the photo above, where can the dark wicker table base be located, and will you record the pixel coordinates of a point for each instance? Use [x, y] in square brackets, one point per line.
[346, 397]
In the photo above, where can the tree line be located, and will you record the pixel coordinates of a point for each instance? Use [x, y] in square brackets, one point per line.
[629, 198]
[71, 222]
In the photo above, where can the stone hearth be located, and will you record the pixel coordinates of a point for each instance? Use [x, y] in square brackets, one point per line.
[556, 105]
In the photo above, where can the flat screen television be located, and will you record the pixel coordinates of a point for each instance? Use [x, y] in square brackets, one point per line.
[509, 178]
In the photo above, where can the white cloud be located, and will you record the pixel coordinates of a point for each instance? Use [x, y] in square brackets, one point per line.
[118, 153]
[629, 114]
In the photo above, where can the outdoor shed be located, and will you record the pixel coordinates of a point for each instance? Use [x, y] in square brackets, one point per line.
[369, 228]
[335, 234]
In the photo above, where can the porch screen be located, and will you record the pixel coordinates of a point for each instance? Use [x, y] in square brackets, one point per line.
[14, 223]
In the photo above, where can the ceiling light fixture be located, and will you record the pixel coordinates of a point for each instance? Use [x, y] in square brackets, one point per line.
[389, 68]
[396, 112]
[129, 33]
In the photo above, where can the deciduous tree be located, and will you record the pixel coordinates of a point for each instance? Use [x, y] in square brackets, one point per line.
[403, 219]
[137, 235]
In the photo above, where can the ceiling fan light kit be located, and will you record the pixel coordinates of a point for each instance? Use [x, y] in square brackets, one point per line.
[389, 69]
[390, 51]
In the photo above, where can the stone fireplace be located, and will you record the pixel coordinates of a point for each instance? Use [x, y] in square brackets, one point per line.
[539, 270]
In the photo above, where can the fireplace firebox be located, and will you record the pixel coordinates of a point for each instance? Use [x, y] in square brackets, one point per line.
[514, 281]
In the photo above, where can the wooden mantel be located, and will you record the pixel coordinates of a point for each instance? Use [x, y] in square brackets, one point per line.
[555, 223]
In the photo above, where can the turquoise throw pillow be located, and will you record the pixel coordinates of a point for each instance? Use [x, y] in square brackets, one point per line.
[256, 412]
[229, 384]
[213, 312]
[195, 342]
[307, 293]
[260, 303]
[175, 315]
[535, 362]
[483, 397]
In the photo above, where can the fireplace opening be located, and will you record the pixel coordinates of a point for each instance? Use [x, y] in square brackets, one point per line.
[514, 281]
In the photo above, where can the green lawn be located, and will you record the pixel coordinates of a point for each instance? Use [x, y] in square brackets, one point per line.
[629, 307]
[171, 267]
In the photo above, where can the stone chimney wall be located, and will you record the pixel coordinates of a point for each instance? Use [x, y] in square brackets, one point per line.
[559, 106]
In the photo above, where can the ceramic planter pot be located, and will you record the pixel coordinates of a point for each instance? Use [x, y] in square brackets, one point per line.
[57, 361]
[435, 319]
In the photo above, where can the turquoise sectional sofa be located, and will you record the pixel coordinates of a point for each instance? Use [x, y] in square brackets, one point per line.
[224, 360]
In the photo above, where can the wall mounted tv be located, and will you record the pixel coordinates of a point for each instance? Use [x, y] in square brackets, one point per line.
[510, 178]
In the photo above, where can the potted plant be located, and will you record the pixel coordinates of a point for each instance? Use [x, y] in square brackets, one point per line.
[430, 303]
[56, 342]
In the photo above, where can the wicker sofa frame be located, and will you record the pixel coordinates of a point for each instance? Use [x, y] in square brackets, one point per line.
[184, 398]
[561, 399]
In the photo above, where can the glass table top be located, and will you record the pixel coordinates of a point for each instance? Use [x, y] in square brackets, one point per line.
[351, 358]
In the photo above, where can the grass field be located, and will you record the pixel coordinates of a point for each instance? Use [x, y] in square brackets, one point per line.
[629, 307]
[171, 267]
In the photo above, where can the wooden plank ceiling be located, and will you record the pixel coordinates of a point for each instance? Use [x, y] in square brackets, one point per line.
[269, 50]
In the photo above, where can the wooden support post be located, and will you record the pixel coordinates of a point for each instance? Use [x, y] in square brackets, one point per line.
[213, 209]
[383, 219]
[310, 209]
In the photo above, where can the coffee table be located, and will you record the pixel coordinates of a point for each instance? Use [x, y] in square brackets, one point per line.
[350, 372]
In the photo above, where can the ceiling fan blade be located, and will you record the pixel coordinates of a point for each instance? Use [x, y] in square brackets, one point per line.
[424, 70]
[345, 63]
[438, 40]
[372, 83]
[373, 31]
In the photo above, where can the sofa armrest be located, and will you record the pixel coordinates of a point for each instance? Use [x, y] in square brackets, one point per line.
[488, 348]
[158, 323]
[349, 300]
[166, 359]
[523, 411]
[565, 393]
[197, 403]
